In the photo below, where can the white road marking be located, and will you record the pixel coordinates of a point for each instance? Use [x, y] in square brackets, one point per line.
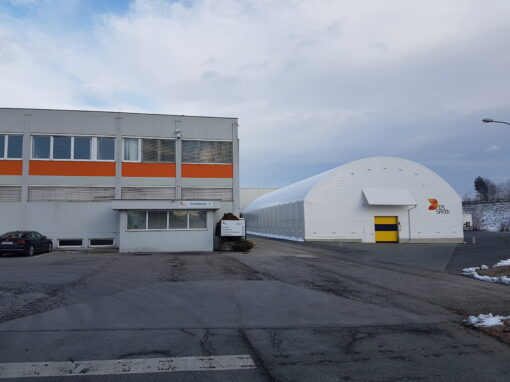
[125, 366]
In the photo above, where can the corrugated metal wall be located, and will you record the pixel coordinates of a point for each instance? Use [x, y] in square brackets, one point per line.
[284, 221]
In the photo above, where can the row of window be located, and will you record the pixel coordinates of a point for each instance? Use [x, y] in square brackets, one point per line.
[61, 147]
[166, 220]
[77, 148]
[163, 150]
[11, 146]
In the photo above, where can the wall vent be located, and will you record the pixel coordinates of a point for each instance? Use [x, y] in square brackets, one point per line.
[70, 194]
[224, 194]
[10, 193]
[148, 193]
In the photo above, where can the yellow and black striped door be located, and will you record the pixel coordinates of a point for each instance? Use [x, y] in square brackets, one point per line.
[386, 229]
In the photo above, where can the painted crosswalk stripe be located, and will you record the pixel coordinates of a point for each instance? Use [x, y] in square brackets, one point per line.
[125, 366]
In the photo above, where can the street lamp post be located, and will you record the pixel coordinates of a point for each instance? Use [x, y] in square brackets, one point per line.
[490, 120]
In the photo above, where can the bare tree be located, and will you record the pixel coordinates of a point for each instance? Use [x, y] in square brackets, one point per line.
[478, 218]
[492, 190]
[504, 190]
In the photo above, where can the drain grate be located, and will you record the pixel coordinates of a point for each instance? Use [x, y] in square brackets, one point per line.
[142, 254]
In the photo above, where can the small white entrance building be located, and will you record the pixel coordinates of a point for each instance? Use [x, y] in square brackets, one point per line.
[166, 225]
[378, 199]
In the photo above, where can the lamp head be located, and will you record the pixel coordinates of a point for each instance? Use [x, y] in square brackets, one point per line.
[487, 120]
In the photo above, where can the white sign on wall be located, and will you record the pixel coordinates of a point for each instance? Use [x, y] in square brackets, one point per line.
[232, 228]
[195, 204]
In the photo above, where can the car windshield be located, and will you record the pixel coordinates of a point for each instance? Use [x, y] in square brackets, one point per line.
[14, 235]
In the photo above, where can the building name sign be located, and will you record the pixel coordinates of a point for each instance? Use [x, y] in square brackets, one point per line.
[439, 208]
[232, 228]
[195, 204]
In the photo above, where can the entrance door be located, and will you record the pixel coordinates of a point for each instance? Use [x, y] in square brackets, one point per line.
[386, 229]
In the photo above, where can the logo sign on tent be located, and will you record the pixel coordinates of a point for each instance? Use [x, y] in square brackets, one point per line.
[232, 228]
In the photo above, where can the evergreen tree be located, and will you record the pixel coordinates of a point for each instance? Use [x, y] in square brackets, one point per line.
[482, 188]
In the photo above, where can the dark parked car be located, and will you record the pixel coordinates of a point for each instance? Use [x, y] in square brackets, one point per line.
[26, 242]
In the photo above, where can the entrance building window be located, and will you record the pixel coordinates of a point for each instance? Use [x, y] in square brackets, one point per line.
[166, 220]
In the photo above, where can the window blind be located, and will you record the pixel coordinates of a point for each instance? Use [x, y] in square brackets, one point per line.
[10, 193]
[66, 193]
[148, 193]
[224, 194]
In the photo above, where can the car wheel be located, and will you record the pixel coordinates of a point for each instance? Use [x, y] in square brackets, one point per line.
[31, 251]
[50, 247]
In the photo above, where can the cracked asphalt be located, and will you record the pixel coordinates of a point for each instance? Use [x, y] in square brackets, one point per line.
[302, 311]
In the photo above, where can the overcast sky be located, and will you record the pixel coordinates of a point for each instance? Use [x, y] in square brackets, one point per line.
[314, 83]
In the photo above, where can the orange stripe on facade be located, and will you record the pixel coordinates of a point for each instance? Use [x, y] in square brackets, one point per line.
[71, 168]
[207, 171]
[11, 167]
[160, 170]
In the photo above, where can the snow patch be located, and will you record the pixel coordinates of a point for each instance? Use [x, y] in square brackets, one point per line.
[486, 320]
[502, 263]
[472, 272]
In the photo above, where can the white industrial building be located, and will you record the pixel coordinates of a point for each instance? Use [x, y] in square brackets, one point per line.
[377, 199]
[139, 182]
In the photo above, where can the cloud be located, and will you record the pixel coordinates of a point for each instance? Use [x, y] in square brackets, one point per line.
[315, 83]
[493, 148]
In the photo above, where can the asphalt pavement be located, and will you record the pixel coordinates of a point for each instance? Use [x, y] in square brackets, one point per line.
[284, 312]
[478, 248]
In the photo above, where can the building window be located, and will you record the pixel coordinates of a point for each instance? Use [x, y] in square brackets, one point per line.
[167, 220]
[157, 220]
[41, 146]
[178, 220]
[158, 150]
[62, 147]
[137, 220]
[105, 148]
[70, 242]
[197, 219]
[101, 243]
[11, 146]
[207, 152]
[82, 148]
[149, 150]
[131, 149]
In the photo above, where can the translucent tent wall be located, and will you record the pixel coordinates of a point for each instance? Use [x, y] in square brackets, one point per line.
[343, 203]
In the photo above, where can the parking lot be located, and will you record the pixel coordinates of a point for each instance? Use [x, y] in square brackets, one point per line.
[284, 312]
